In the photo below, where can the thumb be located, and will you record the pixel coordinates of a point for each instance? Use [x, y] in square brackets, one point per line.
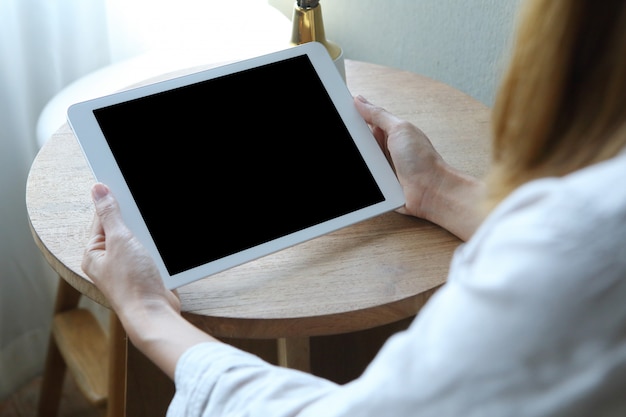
[107, 209]
[375, 115]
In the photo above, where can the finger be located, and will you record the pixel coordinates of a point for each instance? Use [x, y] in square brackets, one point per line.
[380, 135]
[366, 109]
[374, 115]
[96, 227]
[96, 245]
[107, 209]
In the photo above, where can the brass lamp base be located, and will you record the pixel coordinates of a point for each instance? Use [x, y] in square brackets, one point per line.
[308, 26]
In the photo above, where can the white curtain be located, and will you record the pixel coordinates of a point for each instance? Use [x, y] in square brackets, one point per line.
[46, 45]
[40, 52]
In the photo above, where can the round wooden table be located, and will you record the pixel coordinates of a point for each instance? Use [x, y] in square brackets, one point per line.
[316, 297]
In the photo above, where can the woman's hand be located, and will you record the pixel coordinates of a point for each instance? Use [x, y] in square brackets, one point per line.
[417, 164]
[433, 189]
[118, 264]
[125, 273]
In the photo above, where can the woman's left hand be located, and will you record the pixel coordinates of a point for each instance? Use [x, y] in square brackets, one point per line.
[119, 264]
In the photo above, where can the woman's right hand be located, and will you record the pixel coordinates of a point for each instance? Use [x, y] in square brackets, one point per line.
[409, 151]
[433, 189]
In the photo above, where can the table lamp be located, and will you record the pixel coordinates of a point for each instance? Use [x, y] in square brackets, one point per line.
[308, 26]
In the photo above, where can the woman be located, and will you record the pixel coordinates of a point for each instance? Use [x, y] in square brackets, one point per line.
[532, 320]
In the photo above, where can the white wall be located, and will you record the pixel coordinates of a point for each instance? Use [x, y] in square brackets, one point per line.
[463, 43]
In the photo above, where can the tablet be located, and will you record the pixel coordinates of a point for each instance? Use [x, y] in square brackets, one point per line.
[223, 166]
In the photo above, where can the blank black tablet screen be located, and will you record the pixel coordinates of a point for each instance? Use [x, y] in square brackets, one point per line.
[236, 161]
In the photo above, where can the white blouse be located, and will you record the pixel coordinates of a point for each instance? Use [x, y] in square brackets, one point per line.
[532, 322]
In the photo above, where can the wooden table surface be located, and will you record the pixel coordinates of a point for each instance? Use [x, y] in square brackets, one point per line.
[367, 275]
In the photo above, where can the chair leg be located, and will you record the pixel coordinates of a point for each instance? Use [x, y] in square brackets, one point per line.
[67, 298]
[116, 403]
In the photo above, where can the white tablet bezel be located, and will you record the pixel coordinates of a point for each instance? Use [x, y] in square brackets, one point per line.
[101, 161]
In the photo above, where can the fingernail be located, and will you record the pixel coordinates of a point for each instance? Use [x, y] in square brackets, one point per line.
[99, 191]
[362, 99]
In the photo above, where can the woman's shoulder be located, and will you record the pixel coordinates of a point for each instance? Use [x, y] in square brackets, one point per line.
[582, 204]
[570, 228]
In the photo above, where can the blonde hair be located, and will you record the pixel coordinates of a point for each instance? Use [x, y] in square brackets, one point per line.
[562, 103]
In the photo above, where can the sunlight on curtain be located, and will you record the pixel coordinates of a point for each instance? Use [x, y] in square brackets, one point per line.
[38, 42]
[46, 45]
[239, 28]
[149, 38]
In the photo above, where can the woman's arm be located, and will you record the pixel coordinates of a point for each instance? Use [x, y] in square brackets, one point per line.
[433, 189]
[127, 276]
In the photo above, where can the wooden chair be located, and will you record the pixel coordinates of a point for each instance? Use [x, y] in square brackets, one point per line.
[96, 361]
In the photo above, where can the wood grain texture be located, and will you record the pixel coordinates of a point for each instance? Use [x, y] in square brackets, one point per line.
[24, 402]
[84, 346]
